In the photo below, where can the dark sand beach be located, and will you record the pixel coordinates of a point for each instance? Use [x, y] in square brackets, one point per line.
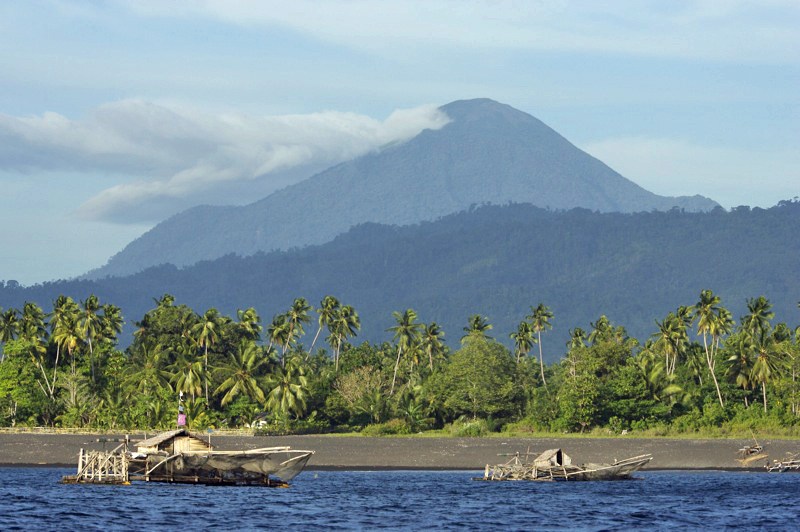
[354, 452]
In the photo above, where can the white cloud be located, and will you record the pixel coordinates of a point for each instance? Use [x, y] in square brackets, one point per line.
[728, 30]
[675, 167]
[170, 158]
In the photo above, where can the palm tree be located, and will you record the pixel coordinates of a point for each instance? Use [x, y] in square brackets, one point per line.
[326, 311]
[240, 374]
[296, 316]
[147, 373]
[278, 332]
[672, 339]
[601, 330]
[740, 362]
[249, 323]
[343, 324]
[707, 316]
[9, 326]
[91, 325]
[577, 338]
[205, 334]
[112, 322]
[540, 321]
[759, 315]
[406, 333]
[187, 375]
[63, 330]
[288, 389]
[769, 360]
[477, 327]
[32, 324]
[523, 339]
[432, 342]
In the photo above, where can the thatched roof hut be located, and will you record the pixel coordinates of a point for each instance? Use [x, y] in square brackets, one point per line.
[174, 441]
[552, 457]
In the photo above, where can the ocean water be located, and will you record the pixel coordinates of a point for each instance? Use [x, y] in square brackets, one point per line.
[32, 499]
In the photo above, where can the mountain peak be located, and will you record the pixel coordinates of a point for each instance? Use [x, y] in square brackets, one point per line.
[490, 153]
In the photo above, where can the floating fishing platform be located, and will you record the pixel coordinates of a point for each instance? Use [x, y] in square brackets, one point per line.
[554, 464]
[182, 457]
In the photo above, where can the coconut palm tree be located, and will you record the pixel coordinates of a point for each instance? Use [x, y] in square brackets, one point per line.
[477, 327]
[241, 374]
[710, 321]
[296, 316]
[601, 330]
[523, 339]
[343, 324]
[187, 374]
[577, 338]
[540, 321]
[758, 317]
[406, 333]
[147, 373]
[63, 330]
[91, 325]
[288, 389]
[205, 334]
[740, 361]
[326, 311]
[432, 342]
[768, 362]
[278, 332]
[249, 323]
[9, 327]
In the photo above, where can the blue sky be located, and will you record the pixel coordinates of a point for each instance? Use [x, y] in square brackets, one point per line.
[115, 115]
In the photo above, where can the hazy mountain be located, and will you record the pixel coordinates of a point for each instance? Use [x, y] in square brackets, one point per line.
[490, 153]
[493, 261]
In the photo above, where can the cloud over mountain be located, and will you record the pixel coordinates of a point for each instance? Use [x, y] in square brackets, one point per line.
[161, 159]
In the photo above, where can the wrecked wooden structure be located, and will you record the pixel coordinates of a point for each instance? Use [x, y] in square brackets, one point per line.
[555, 464]
[789, 464]
[180, 456]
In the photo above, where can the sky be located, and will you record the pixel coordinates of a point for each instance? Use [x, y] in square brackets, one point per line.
[115, 115]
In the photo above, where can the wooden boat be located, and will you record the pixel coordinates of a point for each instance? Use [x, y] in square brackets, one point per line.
[554, 464]
[791, 463]
[181, 456]
[752, 453]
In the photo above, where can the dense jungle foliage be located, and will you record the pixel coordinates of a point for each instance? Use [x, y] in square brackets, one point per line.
[305, 371]
[492, 260]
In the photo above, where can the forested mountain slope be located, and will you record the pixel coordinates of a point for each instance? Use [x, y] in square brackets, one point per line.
[490, 153]
[496, 261]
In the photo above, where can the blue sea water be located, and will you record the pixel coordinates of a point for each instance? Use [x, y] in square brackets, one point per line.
[32, 499]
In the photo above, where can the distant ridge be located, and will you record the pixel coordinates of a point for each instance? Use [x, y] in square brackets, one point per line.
[490, 153]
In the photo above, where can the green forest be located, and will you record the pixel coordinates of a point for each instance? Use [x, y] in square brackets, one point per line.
[305, 371]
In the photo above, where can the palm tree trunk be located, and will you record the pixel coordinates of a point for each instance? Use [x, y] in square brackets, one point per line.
[205, 374]
[764, 394]
[314, 341]
[396, 364]
[541, 359]
[710, 361]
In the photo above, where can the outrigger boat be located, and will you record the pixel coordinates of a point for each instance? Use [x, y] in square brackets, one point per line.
[791, 463]
[554, 464]
[181, 456]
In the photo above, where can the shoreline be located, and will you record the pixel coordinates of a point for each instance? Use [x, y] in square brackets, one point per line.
[430, 453]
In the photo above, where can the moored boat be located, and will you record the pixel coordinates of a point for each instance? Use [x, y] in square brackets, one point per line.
[555, 464]
[180, 456]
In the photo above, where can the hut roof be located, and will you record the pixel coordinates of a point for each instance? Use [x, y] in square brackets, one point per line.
[159, 439]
